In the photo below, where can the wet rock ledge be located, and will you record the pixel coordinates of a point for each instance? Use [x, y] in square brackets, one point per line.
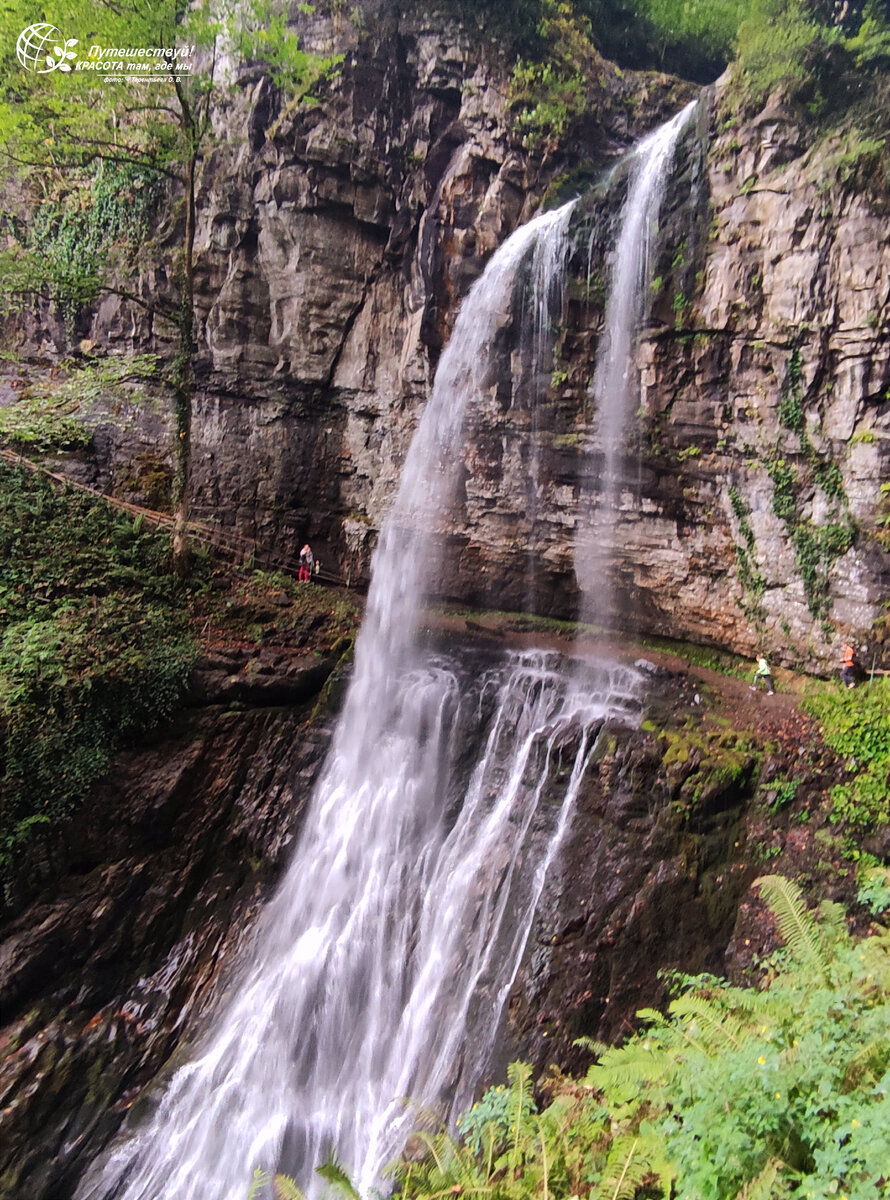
[102, 977]
[103, 982]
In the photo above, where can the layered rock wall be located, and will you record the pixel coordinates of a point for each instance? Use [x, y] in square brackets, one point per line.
[335, 244]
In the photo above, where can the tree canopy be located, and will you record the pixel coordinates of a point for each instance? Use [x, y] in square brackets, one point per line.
[125, 95]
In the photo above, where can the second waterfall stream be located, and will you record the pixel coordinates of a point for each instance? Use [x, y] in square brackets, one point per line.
[381, 969]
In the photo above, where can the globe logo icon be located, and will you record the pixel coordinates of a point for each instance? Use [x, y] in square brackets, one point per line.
[42, 48]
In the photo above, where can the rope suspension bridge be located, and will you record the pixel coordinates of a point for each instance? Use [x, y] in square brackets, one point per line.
[242, 551]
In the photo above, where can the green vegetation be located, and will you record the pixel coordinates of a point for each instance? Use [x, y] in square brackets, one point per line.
[781, 42]
[781, 792]
[549, 92]
[750, 576]
[816, 547]
[856, 724]
[704, 764]
[874, 889]
[42, 424]
[49, 416]
[722, 661]
[820, 55]
[691, 38]
[94, 649]
[65, 246]
[97, 638]
[833, 63]
[776, 1090]
[93, 156]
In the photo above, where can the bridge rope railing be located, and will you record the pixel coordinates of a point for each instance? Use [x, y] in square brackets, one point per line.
[243, 551]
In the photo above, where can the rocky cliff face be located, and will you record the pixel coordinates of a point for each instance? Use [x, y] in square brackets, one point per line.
[105, 981]
[334, 247]
[102, 977]
[751, 503]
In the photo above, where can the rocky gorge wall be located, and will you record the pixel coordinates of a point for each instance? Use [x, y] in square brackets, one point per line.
[334, 246]
[333, 249]
[110, 975]
[118, 960]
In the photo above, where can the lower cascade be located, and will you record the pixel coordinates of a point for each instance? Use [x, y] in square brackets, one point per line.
[386, 959]
[381, 969]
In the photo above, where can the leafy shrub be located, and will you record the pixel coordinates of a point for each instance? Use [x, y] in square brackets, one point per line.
[42, 426]
[781, 43]
[69, 236]
[690, 38]
[856, 724]
[874, 889]
[49, 416]
[871, 44]
[773, 1091]
[94, 649]
[546, 96]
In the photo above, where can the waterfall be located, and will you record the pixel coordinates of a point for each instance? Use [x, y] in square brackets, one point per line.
[381, 968]
[615, 384]
[543, 311]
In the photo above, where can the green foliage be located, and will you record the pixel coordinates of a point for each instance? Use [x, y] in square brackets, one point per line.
[690, 38]
[286, 1189]
[706, 27]
[855, 158]
[62, 132]
[333, 1173]
[874, 889]
[856, 724]
[40, 425]
[69, 237]
[738, 1092]
[795, 923]
[780, 42]
[546, 95]
[791, 399]
[870, 46]
[94, 649]
[705, 765]
[816, 547]
[750, 576]
[46, 417]
[782, 793]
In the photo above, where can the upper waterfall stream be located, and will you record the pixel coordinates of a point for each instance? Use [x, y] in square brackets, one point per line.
[381, 968]
[615, 388]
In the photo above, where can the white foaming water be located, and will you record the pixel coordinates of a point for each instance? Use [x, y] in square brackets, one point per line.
[381, 968]
[615, 384]
[544, 310]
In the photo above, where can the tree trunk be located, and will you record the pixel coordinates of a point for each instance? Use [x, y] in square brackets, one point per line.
[182, 379]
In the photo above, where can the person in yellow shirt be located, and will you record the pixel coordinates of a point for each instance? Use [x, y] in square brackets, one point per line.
[763, 675]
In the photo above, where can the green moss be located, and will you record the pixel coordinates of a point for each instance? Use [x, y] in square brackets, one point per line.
[704, 765]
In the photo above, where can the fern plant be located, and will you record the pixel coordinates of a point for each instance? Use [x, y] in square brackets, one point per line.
[736, 1093]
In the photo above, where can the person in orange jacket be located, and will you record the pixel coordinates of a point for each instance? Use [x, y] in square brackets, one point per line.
[848, 668]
